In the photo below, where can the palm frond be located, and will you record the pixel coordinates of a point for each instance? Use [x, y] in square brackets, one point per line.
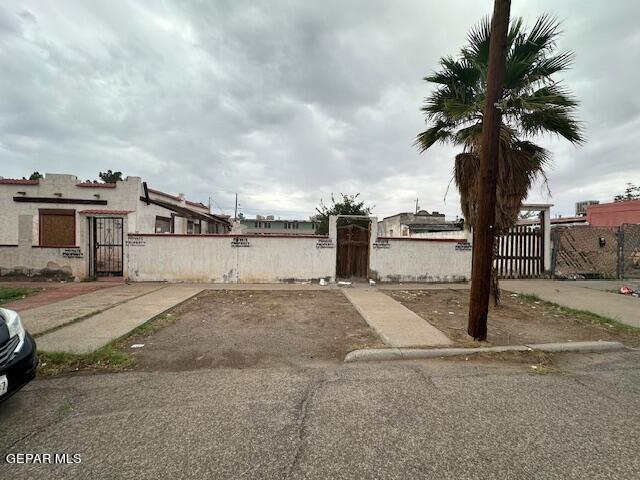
[556, 120]
[438, 133]
[477, 50]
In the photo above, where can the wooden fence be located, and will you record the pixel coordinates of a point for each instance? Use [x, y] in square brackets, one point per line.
[520, 253]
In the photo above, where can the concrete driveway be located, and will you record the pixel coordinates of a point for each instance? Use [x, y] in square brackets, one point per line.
[445, 420]
[582, 295]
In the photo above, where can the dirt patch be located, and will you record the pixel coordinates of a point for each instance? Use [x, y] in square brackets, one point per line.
[240, 329]
[515, 322]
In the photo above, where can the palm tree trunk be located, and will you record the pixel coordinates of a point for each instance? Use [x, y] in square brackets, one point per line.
[495, 287]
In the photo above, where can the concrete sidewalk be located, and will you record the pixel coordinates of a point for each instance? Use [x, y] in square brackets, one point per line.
[98, 330]
[566, 293]
[393, 322]
[51, 292]
[47, 317]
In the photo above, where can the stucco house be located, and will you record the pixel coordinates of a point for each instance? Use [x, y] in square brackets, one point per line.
[270, 225]
[58, 226]
[421, 224]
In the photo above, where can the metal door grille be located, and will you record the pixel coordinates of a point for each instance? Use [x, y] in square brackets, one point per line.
[108, 246]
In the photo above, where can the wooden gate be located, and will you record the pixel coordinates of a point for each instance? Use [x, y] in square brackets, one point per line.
[353, 252]
[520, 253]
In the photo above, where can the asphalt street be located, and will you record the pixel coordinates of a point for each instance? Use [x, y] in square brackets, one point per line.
[422, 419]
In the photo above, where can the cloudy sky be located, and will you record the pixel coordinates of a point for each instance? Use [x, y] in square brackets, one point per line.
[285, 102]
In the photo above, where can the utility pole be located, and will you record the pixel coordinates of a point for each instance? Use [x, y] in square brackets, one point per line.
[485, 219]
[235, 214]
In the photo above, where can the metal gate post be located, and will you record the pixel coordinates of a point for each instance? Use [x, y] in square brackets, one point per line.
[620, 253]
[555, 244]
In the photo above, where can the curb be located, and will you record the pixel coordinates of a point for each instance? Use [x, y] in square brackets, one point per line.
[381, 354]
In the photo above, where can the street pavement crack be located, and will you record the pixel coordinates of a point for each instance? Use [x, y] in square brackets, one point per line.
[304, 407]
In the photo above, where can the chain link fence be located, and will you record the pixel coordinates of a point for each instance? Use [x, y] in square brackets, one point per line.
[630, 249]
[586, 252]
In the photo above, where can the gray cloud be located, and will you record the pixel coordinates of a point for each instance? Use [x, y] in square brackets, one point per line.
[286, 102]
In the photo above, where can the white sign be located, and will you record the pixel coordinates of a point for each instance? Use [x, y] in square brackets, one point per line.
[72, 253]
[240, 242]
[325, 243]
[463, 246]
[136, 242]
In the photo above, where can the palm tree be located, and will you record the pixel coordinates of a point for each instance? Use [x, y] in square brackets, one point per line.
[532, 104]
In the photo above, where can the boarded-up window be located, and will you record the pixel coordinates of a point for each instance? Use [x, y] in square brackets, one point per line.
[57, 228]
[163, 225]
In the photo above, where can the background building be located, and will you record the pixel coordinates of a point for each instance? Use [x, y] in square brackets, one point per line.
[270, 225]
[420, 224]
[614, 214]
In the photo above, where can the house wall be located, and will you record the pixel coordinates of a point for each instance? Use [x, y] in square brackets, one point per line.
[392, 226]
[29, 260]
[21, 255]
[147, 217]
[614, 214]
[123, 197]
[212, 258]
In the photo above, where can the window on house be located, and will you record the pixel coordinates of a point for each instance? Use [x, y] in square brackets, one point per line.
[256, 224]
[163, 225]
[194, 227]
[57, 227]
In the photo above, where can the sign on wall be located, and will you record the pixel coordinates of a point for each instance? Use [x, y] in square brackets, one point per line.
[381, 243]
[325, 243]
[240, 242]
[463, 246]
[72, 253]
[136, 242]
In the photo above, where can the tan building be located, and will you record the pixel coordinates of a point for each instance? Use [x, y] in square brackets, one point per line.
[58, 221]
[419, 224]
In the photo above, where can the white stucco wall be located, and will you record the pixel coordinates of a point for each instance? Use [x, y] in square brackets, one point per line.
[211, 258]
[420, 260]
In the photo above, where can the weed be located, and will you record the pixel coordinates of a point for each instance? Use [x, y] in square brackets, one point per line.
[62, 411]
[108, 358]
[581, 315]
[9, 293]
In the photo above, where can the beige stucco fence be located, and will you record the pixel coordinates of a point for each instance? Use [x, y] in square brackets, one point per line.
[282, 259]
